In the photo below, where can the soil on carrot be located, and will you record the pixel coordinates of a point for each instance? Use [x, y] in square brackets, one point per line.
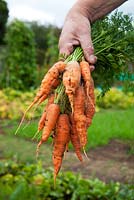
[112, 162]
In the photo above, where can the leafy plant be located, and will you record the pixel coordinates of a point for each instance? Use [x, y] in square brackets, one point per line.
[20, 69]
[116, 99]
[30, 181]
[114, 37]
[3, 19]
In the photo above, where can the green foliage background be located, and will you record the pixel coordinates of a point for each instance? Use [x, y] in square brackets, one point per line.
[20, 65]
[3, 19]
[31, 49]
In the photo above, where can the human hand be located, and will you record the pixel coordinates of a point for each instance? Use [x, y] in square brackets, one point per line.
[77, 31]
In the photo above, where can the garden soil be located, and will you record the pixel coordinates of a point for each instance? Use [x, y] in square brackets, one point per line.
[112, 162]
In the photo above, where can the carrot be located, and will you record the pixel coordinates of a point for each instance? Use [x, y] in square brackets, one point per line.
[67, 146]
[71, 79]
[79, 116]
[52, 115]
[90, 104]
[49, 80]
[75, 139]
[60, 140]
[81, 129]
[54, 72]
[91, 90]
[46, 86]
[79, 102]
[86, 74]
[43, 117]
[89, 112]
[60, 65]
[55, 83]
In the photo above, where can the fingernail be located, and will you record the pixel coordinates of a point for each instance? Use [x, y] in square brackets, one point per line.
[92, 68]
[92, 59]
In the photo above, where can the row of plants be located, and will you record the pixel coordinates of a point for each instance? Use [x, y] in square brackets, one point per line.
[115, 98]
[13, 102]
[32, 181]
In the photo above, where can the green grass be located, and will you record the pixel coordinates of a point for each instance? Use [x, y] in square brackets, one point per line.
[19, 150]
[106, 125]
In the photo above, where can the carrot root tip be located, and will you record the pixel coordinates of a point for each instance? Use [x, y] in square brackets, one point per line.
[85, 153]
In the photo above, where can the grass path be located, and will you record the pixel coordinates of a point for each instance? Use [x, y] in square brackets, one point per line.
[109, 125]
[106, 125]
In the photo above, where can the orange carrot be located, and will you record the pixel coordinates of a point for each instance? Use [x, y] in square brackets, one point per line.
[86, 74]
[75, 139]
[79, 102]
[55, 83]
[46, 86]
[79, 116]
[49, 79]
[52, 115]
[67, 146]
[91, 90]
[41, 123]
[90, 104]
[71, 79]
[81, 129]
[60, 140]
[89, 111]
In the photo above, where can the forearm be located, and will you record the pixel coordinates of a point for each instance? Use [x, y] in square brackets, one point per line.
[96, 9]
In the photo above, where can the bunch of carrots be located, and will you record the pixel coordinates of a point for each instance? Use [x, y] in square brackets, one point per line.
[69, 89]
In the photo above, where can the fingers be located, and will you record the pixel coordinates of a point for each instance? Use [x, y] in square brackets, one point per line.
[77, 31]
[66, 45]
[87, 46]
[66, 49]
[92, 68]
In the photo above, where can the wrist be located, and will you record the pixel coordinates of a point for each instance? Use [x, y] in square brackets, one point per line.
[80, 8]
[83, 8]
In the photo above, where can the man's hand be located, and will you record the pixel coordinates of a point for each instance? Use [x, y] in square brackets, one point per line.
[77, 31]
